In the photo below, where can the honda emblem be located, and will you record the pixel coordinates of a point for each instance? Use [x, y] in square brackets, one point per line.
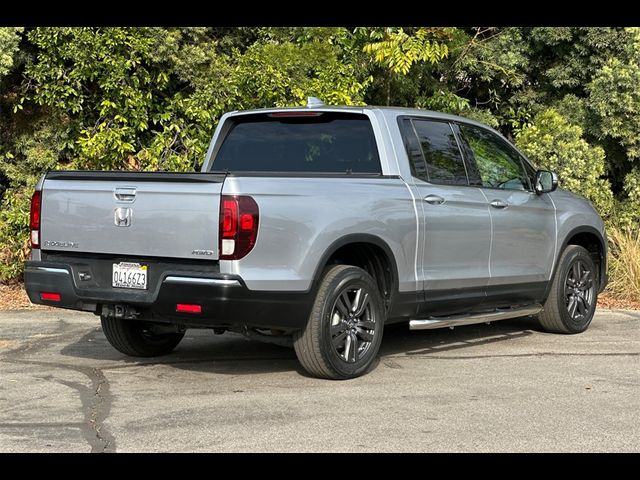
[122, 216]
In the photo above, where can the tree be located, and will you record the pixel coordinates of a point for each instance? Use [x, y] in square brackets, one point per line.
[615, 100]
[394, 52]
[149, 99]
[9, 40]
[398, 51]
[554, 144]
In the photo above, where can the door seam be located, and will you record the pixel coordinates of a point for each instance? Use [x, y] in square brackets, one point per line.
[555, 247]
[491, 236]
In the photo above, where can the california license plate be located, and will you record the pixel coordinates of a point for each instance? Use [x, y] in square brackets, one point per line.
[129, 275]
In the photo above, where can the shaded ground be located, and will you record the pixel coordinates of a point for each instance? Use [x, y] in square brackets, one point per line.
[505, 386]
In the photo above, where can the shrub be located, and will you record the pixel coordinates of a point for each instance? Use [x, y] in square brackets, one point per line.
[14, 233]
[553, 143]
[624, 262]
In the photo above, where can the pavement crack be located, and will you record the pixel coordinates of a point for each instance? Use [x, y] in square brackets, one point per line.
[96, 404]
[99, 409]
[96, 398]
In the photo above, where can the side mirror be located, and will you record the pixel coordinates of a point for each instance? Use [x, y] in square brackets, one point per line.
[546, 181]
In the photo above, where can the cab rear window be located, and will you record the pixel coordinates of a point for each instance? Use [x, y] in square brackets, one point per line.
[285, 142]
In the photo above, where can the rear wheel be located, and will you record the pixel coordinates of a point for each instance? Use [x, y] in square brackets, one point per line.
[344, 331]
[137, 338]
[574, 293]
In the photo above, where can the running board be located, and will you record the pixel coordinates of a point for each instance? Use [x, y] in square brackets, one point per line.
[457, 320]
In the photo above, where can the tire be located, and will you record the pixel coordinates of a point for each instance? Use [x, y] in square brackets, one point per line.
[134, 338]
[564, 311]
[325, 347]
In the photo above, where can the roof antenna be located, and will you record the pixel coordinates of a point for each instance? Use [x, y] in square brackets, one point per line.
[313, 102]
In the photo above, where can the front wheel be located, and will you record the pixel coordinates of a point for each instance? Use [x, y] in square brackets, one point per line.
[344, 330]
[574, 293]
[137, 338]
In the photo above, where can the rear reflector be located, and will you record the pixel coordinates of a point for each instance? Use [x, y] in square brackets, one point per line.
[50, 296]
[188, 308]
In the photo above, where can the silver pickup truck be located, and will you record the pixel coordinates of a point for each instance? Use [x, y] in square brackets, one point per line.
[316, 227]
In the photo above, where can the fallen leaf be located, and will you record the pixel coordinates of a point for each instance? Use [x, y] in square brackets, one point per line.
[8, 343]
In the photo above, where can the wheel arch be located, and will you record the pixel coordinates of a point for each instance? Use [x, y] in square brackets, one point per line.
[384, 259]
[592, 240]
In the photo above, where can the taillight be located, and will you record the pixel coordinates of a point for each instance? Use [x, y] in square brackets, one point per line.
[229, 218]
[34, 218]
[239, 217]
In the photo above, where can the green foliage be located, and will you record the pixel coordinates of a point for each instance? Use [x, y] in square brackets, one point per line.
[149, 99]
[570, 56]
[9, 39]
[628, 212]
[103, 80]
[480, 115]
[285, 74]
[444, 101]
[14, 246]
[492, 55]
[397, 50]
[555, 144]
[615, 99]
[33, 153]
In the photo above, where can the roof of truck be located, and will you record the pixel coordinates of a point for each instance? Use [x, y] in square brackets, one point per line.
[391, 111]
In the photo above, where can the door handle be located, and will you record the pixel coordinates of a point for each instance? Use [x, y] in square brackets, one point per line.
[126, 194]
[434, 199]
[499, 204]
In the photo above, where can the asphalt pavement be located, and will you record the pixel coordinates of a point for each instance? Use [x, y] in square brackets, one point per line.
[500, 387]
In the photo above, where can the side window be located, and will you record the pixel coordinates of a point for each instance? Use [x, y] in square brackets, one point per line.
[441, 152]
[499, 164]
[416, 160]
[473, 174]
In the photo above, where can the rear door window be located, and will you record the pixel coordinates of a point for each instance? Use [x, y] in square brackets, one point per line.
[441, 152]
[433, 151]
[324, 143]
[414, 150]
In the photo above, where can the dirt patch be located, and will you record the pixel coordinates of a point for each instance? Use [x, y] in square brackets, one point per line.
[606, 300]
[13, 297]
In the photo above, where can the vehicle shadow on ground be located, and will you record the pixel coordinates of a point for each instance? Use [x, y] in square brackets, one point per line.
[398, 339]
[233, 354]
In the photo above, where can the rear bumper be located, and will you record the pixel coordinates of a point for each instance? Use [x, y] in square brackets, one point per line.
[225, 300]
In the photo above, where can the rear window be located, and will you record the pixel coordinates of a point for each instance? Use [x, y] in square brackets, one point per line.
[326, 143]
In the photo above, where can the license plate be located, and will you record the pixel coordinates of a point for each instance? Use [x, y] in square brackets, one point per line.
[129, 275]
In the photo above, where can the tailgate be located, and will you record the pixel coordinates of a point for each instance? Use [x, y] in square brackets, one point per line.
[171, 215]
